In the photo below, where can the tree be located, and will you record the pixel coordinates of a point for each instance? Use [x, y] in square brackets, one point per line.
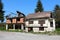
[39, 6]
[57, 15]
[1, 12]
[57, 7]
[57, 12]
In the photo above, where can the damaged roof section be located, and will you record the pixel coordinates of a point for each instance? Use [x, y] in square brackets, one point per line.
[39, 15]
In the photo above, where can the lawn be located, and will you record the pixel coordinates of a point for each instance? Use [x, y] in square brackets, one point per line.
[56, 32]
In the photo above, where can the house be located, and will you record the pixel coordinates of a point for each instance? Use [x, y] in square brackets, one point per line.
[40, 22]
[16, 22]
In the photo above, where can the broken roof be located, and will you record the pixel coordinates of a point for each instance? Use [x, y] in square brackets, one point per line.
[39, 15]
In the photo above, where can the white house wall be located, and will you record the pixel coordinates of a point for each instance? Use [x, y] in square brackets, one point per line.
[46, 25]
[36, 29]
[49, 27]
[54, 24]
[35, 23]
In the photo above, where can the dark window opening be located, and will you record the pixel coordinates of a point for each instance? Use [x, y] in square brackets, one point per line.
[30, 22]
[10, 26]
[30, 29]
[41, 28]
[51, 15]
[41, 22]
[18, 19]
[17, 26]
[51, 24]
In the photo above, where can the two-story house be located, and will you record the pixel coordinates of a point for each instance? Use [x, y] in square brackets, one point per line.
[16, 22]
[40, 22]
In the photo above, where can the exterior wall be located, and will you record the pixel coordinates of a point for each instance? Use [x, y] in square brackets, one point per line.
[8, 21]
[36, 29]
[13, 20]
[49, 27]
[35, 23]
[26, 29]
[54, 24]
[21, 20]
[46, 26]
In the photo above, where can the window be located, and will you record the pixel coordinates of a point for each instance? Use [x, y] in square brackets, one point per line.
[41, 28]
[18, 19]
[30, 29]
[51, 15]
[41, 22]
[51, 24]
[30, 22]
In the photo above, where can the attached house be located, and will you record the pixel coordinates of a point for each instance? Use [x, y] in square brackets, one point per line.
[40, 22]
[17, 22]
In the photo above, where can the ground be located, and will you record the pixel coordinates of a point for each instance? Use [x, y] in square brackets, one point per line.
[26, 36]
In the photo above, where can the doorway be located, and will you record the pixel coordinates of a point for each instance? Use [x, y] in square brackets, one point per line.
[17, 26]
[30, 29]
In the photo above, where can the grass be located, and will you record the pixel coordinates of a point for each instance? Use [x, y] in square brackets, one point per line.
[16, 30]
[56, 32]
[2, 28]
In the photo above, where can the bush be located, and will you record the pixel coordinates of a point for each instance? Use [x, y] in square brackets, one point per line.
[2, 26]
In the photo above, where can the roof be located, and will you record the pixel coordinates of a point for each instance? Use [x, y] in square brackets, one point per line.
[39, 15]
[20, 15]
[14, 17]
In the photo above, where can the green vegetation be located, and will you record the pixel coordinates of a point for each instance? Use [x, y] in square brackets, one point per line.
[39, 7]
[57, 15]
[1, 12]
[57, 31]
[2, 26]
[16, 30]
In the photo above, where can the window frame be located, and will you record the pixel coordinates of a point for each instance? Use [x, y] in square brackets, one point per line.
[30, 22]
[51, 24]
[18, 19]
[41, 22]
[41, 28]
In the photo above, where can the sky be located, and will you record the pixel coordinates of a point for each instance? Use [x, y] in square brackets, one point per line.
[27, 6]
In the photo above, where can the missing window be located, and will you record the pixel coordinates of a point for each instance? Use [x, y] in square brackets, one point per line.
[51, 24]
[30, 22]
[18, 19]
[41, 22]
[41, 28]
